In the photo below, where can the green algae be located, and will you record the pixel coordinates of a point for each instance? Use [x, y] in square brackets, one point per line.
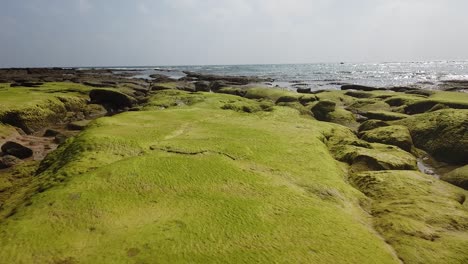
[391, 135]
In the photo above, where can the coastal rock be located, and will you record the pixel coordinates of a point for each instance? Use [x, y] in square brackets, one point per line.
[322, 108]
[358, 94]
[443, 134]
[111, 99]
[287, 99]
[202, 86]
[360, 88]
[160, 78]
[8, 161]
[391, 135]
[383, 115]
[234, 80]
[17, 150]
[372, 124]
[216, 85]
[458, 177]
[304, 90]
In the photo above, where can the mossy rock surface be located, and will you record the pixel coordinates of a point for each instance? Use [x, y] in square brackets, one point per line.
[458, 177]
[217, 185]
[443, 133]
[391, 135]
[424, 219]
[372, 124]
[384, 115]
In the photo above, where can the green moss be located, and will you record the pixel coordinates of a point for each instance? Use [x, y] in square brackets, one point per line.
[458, 177]
[384, 115]
[391, 135]
[421, 217]
[442, 133]
[195, 184]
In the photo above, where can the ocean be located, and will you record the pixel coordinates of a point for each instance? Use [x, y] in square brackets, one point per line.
[318, 76]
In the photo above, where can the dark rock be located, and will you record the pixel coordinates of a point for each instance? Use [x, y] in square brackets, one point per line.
[216, 85]
[235, 80]
[305, 99]
[160, 78]
[186, 86]
[357, 94]
[322, 109]
[383, 115]
[26, 84]
[458, 177]
[17, 150]
[98, 85]
[402, 89]
[112, 99]
[51, 133]
[304, 90]
[425, 93]
[360, 88]
[202, 86]
[60, 139]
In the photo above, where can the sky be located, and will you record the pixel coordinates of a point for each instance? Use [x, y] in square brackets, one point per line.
[61, 33]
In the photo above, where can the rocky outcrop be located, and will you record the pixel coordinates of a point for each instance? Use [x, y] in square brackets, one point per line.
[322, 109]
[360, 88]
[391, 135]
[443, 133]
[232, 80]
[8, 161]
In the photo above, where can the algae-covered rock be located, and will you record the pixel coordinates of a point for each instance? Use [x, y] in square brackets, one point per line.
[372, 124]
[458, 177]
[443, 133]
[111, 98]
[391, 135]
[322, 109]
[78, 125]
[384, 115]
[422, 218]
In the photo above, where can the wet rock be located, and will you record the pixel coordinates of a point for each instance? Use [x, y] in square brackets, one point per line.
[322, 109]
[391, 135]
[8, 161]
[234, 80]
[17, 150]
[186, 86]
[306, 99]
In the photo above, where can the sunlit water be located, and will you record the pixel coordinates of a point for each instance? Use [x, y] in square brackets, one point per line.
[333, 75]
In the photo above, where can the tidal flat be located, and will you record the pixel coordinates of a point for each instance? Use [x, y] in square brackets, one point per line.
[99, 167]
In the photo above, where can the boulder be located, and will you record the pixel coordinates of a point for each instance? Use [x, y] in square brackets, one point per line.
[358, 94]
[443, 134]
[8, 161]
[111, 99]
[322, 108]
[287, 99]
[391, 135]
[216, 85]
[160, 78]
[17, 150]
[458, 177]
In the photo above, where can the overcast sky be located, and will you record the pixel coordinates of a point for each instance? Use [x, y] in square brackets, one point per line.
[183, 32]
